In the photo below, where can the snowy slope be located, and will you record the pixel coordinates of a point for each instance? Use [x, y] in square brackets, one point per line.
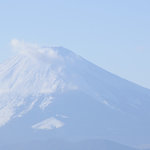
[52, 92]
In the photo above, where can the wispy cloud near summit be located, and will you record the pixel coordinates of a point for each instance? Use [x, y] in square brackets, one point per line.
[47, 55]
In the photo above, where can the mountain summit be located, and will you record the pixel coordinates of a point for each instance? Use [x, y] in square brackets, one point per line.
[48, 92]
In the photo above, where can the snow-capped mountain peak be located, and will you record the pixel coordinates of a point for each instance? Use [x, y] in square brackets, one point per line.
[41, 82]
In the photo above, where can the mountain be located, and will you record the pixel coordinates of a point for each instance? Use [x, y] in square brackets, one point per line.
[50, 92]
[67, 145]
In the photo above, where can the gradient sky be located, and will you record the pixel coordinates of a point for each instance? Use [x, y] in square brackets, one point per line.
[114, 34]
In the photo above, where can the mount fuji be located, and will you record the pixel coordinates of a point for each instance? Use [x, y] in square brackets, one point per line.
[52, 93]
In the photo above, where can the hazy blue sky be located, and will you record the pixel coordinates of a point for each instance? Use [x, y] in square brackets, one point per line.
[114, 34]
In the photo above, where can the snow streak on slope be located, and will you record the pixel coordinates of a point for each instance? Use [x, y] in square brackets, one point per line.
[48, 124]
